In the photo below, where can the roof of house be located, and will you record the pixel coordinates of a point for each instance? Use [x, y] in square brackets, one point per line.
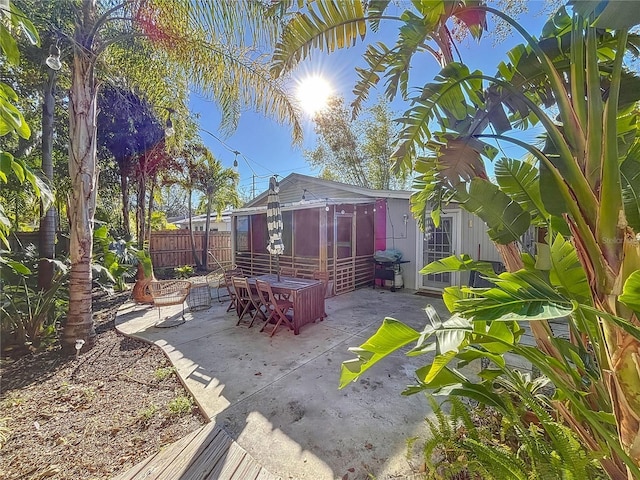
[226, 215]
[295, 185]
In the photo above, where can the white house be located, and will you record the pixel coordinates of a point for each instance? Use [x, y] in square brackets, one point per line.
[198, 221]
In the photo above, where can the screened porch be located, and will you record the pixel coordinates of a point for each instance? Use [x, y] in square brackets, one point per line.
[338, 238]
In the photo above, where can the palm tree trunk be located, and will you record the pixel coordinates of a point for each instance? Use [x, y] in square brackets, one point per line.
[141, 208]
[150, 208]
[84, 184]
[207, 225]
[193, 240]
[47, 230]
[124, 187]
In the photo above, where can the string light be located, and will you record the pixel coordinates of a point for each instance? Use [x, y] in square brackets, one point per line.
[53, 60]
[169, 131]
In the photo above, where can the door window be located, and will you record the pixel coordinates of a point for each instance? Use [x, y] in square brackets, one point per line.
[437, 244]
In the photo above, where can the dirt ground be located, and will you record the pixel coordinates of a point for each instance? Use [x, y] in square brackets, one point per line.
[91, 417]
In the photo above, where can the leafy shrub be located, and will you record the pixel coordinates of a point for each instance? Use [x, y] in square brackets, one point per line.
[183, 272]
[29, 315]
[522, 442]
[181, 405]
[114, 260]
[163, 373]
[145, 414]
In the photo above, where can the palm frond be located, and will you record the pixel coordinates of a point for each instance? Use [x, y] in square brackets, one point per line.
[224, 68]
[326, 25]
[377, 57]
[375, 10]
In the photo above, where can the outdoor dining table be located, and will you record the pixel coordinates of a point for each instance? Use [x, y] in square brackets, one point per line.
[306, 295]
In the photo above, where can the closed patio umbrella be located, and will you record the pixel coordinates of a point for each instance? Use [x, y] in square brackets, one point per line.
[274, 223]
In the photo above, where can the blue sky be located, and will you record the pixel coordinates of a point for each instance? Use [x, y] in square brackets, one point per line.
[265, 146]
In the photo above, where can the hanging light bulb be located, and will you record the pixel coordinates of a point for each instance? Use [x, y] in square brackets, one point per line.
[53, 60]
[304, 196]
[169, 130]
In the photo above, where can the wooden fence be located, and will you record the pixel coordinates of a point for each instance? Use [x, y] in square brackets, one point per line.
[169, 248]
[172, 248]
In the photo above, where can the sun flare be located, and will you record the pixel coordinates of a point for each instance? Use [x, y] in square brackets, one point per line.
[313, 94]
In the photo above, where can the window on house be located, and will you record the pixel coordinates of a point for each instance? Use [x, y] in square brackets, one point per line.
[242, 234]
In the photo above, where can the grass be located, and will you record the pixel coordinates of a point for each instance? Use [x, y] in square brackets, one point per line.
[163, 373]
[180, 405]
[145, 414]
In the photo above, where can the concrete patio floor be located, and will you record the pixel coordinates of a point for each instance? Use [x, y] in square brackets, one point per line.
[278, 396]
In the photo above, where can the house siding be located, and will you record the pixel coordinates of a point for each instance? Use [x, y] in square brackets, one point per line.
[402, 236]
[475, 240]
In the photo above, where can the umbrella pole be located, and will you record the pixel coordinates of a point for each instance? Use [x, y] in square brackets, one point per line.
[278, 266]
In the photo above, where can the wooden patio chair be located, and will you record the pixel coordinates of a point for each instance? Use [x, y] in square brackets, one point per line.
[276, 308]
[324, 278]
[247, 301]
[169, 292]
[289, 272]
[228, 274]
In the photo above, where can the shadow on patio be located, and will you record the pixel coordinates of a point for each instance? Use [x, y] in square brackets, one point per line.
[278, 396]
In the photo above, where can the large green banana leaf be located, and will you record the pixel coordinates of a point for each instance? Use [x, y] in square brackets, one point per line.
[505, 218]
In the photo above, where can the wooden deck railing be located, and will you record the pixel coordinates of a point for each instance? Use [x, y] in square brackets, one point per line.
[347, 274]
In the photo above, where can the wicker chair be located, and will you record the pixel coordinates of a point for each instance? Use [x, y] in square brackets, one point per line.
[169, 292]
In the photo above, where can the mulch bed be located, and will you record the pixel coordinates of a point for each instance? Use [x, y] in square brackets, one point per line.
[94, 416]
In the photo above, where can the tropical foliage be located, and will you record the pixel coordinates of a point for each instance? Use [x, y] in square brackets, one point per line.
[30, 316]
[491, 444]
[579, 187]
[219, 187]
[12, 121]
[149, 50]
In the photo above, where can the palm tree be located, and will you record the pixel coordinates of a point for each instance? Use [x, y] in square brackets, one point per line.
[210, 40]
[220, 188]
[581, 187]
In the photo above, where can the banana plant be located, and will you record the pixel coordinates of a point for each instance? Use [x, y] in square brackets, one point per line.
[581, 186]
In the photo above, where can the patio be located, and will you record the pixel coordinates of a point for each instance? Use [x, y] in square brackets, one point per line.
[278, 397]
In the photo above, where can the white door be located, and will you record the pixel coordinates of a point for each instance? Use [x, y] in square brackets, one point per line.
[438, 243]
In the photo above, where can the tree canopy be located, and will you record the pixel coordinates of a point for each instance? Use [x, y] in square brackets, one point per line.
[356, 152]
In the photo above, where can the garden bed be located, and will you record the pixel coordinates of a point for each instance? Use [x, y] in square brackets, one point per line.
[94, 416]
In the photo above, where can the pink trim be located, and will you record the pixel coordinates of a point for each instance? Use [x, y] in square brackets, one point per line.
[380, 230]
[380, 225]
